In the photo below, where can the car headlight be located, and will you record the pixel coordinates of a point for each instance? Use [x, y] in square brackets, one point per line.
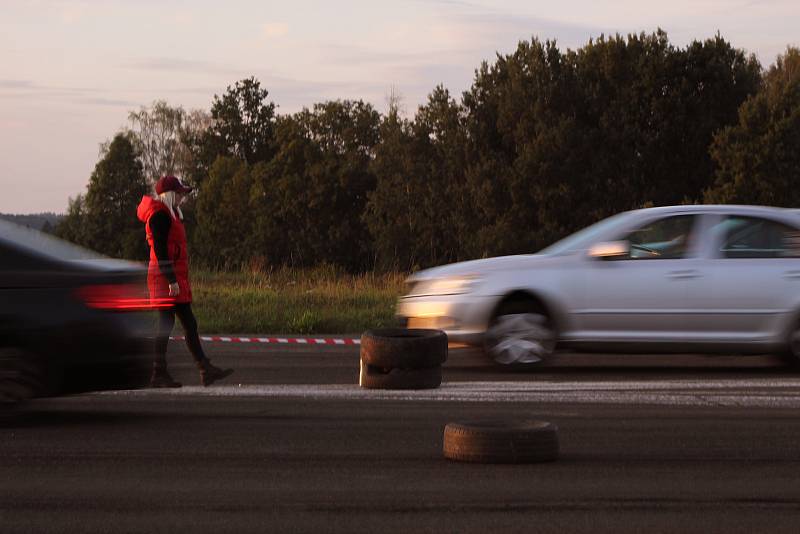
[451, 285]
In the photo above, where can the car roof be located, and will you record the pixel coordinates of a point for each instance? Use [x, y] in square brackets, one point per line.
[723, 208]
[42, 244]
[48, 248]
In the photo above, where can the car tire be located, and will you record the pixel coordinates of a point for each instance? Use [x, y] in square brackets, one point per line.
[501, 442]
[374, 377]
[21, 376]
[792, 353]
[402, 348]
[520, 333]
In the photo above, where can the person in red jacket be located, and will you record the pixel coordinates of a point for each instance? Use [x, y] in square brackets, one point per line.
[168, 279]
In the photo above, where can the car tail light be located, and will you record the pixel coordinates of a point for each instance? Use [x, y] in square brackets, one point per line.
[122, 297]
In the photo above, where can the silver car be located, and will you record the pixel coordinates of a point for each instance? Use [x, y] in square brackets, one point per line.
[682, 279]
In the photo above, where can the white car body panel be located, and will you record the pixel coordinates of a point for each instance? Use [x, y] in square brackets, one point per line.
[702, 300]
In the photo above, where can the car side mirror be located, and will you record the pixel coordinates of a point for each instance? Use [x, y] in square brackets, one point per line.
[609, 250]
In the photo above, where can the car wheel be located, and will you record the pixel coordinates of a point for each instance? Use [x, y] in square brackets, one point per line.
[792, 354]
[21, 376]
[520, 336]
[501, 442]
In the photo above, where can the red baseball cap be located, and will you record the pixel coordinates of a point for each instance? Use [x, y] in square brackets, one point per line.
[171, 183]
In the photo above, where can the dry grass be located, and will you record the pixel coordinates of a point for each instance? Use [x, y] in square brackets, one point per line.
[292, 301]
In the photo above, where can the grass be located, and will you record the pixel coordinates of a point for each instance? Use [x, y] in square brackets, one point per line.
[293, 301]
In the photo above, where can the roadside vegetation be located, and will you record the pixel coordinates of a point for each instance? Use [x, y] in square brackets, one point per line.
[544, 142]
[322, 300]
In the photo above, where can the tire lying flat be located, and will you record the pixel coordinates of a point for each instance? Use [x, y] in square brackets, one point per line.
[373, 377]
[501, 442]
[400, 348]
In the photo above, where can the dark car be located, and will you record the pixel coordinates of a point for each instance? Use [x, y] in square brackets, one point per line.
[70, 320]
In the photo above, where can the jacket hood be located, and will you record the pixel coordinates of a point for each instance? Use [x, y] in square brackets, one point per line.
[148, 206]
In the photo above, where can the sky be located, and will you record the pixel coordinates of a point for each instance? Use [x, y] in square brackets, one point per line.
[72, 70]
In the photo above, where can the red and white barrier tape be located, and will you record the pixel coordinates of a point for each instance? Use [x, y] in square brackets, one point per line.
[278, 340]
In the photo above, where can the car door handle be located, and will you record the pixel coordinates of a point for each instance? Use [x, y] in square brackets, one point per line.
[791, 274]
[680, 275]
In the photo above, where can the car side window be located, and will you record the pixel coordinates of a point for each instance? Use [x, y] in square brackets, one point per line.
[753, 237]
[662, 239]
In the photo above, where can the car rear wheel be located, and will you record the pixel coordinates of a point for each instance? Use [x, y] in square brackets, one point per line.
[793, 349]
[520, 333]
[21, 376]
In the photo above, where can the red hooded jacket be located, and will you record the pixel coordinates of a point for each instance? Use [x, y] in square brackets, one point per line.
[176, 250]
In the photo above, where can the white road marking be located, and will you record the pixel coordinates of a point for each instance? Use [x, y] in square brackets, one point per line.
[778, 393]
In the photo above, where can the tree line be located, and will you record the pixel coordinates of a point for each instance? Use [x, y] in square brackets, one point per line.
[45, 222]
[543, 143]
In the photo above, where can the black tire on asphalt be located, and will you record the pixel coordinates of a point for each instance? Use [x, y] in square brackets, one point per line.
[402, 348]
[791, 352]
[373, 377]
[21, 376]
[501, 442]
[790, 360]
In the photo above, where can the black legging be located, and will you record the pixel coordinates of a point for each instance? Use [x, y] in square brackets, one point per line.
[166, 320]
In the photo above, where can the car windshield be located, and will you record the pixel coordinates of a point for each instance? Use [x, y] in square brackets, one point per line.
[42, 243]
[583, 239]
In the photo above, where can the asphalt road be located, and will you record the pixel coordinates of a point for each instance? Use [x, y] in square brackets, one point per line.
[291, 444]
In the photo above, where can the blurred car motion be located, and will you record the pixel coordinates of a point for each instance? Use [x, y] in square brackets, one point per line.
[674, 279]
[70, 320]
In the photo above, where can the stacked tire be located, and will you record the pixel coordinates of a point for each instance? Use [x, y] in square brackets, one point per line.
[399, 358]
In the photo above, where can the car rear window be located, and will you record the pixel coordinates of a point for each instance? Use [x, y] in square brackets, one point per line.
[40, 243]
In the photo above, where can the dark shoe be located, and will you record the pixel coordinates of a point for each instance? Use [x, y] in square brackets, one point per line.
[210, 373]
[162, 379]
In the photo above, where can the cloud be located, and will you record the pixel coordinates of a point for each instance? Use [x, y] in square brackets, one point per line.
[169, 64]
[454, 45]
[28, 89]
[111, 102]
[16, 84]
[274, 29]
[461, 39]
[31, 87]
[349, 55]
[449, 3]
[495, 30]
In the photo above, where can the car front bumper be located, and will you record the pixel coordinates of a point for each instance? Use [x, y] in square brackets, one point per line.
[464, 318]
